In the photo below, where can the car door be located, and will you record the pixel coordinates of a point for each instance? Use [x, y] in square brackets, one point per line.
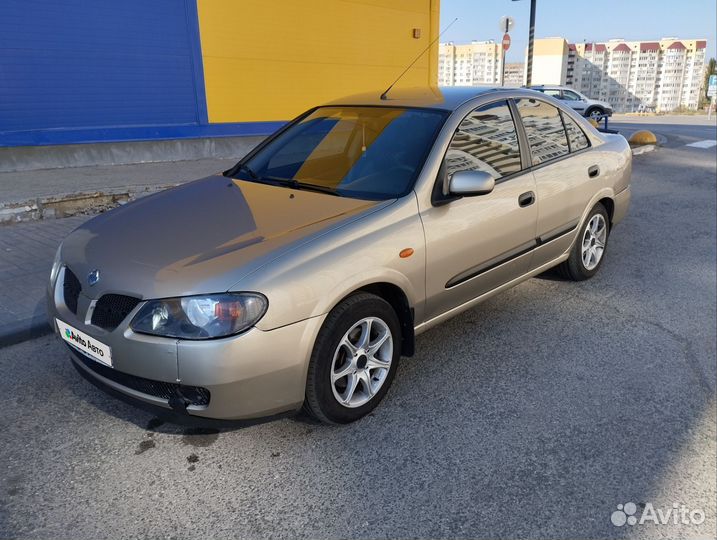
[574, 101]
[475, 244]
[562, 177]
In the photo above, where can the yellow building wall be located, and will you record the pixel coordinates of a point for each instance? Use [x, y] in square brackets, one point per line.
[270, 60]
[550, 61]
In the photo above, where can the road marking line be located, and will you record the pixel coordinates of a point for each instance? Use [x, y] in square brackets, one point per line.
[707, 143]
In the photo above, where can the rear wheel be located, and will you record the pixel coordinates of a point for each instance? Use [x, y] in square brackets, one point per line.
[354, 359]
[588, 252]
[595, 113]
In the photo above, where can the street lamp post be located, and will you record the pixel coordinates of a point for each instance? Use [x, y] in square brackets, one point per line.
[531, 37]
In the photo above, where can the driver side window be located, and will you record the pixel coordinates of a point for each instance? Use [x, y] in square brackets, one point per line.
[486, 140]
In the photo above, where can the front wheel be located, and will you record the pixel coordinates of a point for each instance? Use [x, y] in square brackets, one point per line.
[588, 252]
[354, 359]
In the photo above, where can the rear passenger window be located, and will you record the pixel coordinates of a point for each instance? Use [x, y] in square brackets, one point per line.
[576, 136]
[544, 129]
[485, 141]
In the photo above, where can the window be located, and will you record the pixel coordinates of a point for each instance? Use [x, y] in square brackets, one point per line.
[576, 136]
[485, 141]
[552, 93]
[544, 129]
[362, 152]
[571, 96]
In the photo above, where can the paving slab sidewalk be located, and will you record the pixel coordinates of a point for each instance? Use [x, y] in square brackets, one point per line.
[28, 248]
[26, 254]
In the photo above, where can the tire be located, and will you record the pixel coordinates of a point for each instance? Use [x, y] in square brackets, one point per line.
[580, 266]
[594, 112]
[371, 370]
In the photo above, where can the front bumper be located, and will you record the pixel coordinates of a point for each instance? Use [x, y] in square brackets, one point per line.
[251, 375]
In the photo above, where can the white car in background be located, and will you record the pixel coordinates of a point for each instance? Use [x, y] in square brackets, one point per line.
[589, 108]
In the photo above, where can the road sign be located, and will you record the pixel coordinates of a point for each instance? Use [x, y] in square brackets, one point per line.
[712, 86]
[506, 24]
[506, 42]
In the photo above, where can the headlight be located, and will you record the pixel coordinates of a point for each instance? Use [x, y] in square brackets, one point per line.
[200, 317]
[56, 265]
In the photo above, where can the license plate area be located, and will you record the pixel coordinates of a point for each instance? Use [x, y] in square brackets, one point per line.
[84, 343]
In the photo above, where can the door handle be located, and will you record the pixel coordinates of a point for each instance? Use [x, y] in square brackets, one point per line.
[594, 171]
[526, 199]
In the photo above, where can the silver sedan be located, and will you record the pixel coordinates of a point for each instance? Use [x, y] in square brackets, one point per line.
[303, 274]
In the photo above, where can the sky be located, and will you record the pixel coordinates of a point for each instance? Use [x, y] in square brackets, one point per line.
[581, 20]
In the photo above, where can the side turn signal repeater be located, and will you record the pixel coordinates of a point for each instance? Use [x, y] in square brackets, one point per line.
[405, 253]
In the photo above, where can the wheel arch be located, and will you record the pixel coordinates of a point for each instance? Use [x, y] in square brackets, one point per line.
[397, 298]
[609, 205]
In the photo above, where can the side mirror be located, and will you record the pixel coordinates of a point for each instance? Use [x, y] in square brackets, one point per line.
[468, 183]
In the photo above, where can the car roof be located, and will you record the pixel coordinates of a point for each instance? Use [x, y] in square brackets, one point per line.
[447, 98]
[551, 87]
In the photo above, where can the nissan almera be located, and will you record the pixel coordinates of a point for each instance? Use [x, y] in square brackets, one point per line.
[300, 276]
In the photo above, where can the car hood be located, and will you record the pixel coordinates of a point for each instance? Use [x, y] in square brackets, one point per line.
[200, 237]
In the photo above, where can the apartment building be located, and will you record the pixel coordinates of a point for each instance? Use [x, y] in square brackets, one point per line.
[471, 64]
[665, 75]
[514, 74]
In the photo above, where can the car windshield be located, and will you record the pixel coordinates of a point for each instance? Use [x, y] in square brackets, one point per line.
[362, 152]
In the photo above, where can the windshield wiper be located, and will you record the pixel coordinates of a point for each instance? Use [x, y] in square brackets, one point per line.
[295, 184]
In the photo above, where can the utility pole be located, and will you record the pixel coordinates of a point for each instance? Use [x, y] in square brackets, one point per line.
[531, 38]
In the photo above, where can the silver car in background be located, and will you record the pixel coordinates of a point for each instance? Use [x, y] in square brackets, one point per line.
[589, 108]
[300, 276]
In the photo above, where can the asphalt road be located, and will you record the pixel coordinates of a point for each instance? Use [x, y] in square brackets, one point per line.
[676, 130]
[534, 415]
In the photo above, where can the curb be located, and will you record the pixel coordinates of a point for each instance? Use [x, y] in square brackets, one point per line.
[72, 204]
[644, 149]
[24, 330]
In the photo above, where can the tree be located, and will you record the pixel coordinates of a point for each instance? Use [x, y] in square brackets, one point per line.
[710, 69]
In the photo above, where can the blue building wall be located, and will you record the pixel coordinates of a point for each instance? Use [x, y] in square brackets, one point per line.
[102, 70]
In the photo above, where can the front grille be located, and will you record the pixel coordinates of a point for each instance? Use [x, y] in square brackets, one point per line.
[195, 395]
[71, 290]
[111, 310]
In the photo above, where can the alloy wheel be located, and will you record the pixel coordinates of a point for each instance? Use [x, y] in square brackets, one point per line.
[594, 239]
[361, 362]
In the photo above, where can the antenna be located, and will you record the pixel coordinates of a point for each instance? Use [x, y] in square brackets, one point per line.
[385, 94]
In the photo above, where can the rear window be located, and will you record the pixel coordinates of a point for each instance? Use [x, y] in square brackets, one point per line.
[544, 129]
[576, 136]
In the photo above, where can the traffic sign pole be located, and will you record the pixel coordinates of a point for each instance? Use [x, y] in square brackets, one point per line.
[504, 46]
[505, 25]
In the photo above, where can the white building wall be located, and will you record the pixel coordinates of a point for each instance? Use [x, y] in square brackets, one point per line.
[471, 64]
[662, 75]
